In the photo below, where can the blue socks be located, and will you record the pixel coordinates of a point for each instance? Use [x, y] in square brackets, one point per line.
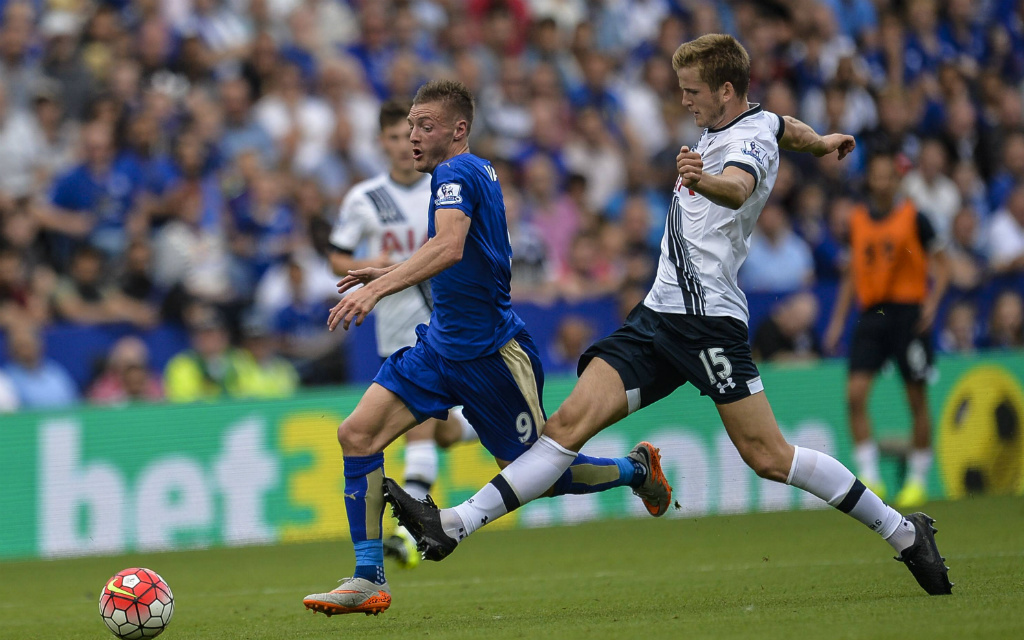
[364, 504]
[590, 475]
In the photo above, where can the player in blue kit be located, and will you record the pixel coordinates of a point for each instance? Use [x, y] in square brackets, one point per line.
[475, 351]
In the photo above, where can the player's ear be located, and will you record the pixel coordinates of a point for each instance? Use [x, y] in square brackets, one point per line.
[728, 91]
[461, 130]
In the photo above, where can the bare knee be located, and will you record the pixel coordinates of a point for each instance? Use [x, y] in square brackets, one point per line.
[356, 438]
[566, 428]
[768, 462]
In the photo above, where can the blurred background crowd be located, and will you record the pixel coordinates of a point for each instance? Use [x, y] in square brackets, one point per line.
[170, 169]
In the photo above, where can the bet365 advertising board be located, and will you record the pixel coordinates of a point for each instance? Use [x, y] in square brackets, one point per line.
[107, 481]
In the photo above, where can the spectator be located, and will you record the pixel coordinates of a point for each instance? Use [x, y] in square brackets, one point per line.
[778, 260]
[1006, 322]
[212, 368]
[960, 332]
[552, 213]
[265, 373]
[39, 382]
[20, 304]
[20, 150]
[966, 260]
[19, 70]
[573, 335]
[787, 335]
[263, 226]
[1011, 172]
[931, 190]
[1006, 235]
[531, 273]
[83, 298]
[300, 124]
[126, 377]
[65, 63]
[241, 132]
[589, 273]
[593, 154]
[94, 201]
[299, 331]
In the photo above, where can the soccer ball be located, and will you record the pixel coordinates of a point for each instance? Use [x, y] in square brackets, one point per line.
[136, 603]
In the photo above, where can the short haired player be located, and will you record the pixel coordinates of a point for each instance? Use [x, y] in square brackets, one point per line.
[383, 221]
[475, 352]
[692, 327]
[893, 251]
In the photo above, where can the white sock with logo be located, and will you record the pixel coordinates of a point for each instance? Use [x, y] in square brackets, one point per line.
[822, 475]
[527, 478]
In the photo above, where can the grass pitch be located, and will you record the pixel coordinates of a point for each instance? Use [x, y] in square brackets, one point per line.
[792, 575]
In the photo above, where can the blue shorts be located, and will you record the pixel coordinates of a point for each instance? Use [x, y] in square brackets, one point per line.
[501, 394]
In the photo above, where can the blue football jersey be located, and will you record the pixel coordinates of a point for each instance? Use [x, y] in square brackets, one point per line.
[472, 314]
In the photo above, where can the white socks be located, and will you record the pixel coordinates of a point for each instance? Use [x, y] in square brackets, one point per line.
[420, 467]
[865, 455]
[527, 478]
[824, 476]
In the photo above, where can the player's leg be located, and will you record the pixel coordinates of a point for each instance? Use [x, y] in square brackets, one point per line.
[751, 425]
[529, 476]
[865, 448]
[914, 360]
[457, 428]
[870, 347]
[378, 419]
[406, 391]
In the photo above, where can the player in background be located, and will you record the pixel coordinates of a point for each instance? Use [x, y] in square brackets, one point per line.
[892, 248]
[692, 327]
[388, 216]
[475, 351]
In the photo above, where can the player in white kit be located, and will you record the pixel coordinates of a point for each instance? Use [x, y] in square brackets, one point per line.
[692, 327]
[385, 220]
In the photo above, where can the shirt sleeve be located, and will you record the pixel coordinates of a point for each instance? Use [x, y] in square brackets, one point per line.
[455, 189]
[750, 155]
[354, 220]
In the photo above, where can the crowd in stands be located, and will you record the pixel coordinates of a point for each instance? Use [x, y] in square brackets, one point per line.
[182, 161]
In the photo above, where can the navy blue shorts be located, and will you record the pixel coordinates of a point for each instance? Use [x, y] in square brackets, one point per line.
[501, 394]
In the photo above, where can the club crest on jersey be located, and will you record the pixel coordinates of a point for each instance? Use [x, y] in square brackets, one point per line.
[448, 194]
[755, 151]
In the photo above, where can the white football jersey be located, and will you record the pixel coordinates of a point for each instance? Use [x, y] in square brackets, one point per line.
[705, 243]
[392, 220]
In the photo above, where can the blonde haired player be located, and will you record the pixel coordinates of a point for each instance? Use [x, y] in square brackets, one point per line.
[692, 327]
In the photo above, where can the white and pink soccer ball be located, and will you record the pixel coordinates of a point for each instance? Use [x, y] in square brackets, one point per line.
[136, 603]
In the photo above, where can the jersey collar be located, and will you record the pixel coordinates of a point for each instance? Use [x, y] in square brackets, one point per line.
[749, 112]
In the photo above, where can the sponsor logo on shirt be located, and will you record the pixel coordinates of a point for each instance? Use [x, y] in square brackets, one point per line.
[448, 194]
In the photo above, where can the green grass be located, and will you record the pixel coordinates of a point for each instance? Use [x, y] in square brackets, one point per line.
[781, 575]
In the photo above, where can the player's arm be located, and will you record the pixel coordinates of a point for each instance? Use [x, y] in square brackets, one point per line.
[440, 252]
[940, 271]
[841, 309]
[798, 136]
[729, 189]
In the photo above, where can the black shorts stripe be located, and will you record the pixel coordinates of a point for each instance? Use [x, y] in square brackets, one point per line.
[853, 497]
[508, 496]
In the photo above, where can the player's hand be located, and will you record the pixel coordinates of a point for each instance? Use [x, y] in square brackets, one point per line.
[355, 306]
[690, 167]
[830, 343]
[358, 277]
[840, 142]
